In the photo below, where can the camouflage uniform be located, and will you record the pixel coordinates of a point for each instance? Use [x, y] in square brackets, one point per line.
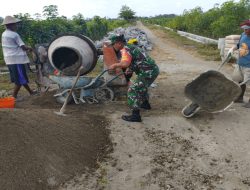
[146, 71]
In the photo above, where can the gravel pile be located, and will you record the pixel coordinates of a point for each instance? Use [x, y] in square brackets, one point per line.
[130, 32]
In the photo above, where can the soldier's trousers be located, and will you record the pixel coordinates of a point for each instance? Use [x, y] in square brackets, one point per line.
[138, 91]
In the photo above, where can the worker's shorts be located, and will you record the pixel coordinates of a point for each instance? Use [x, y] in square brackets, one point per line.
[18, 74]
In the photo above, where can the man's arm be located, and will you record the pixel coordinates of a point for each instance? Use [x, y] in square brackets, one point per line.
[125, 60]
[26, 48]
[122, 65]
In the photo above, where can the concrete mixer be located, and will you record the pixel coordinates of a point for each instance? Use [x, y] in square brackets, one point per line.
[74, 56]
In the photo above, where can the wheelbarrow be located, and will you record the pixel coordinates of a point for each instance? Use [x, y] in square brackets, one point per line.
[86, 90]
[211, 91]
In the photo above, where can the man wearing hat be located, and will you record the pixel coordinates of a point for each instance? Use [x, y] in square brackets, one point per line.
[145, 69]
[15, 56]
[242, 71]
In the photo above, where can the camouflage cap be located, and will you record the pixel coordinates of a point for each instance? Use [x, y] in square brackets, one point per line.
[117, 38]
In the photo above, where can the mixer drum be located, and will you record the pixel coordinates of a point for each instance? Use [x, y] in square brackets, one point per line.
[68, 52]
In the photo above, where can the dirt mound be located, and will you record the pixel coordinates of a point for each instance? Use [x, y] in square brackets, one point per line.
[40, 150]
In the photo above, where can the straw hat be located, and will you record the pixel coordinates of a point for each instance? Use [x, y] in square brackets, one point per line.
[10, 20]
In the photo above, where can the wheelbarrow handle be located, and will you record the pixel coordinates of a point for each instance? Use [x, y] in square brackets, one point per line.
[96, 79]
[229, 56]
[100, 75]
[244, 82]
[115, 77]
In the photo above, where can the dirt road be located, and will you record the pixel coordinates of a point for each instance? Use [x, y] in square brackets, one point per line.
[40, 150]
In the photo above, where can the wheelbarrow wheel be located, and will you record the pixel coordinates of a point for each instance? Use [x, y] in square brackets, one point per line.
[191, 109]
[61, 99]
[104, 94]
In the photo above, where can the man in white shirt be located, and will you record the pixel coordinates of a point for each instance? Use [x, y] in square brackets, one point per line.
[15, 56]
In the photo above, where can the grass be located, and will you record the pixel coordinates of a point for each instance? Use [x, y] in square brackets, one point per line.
[97, 70]
[102, 180]
[5, 83]
[207, 51]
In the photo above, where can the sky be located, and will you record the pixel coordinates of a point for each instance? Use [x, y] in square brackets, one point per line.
[105, 8]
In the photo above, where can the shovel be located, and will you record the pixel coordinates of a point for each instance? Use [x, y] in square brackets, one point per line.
[63, 108]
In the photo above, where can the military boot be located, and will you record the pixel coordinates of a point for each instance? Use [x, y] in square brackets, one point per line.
[240, 98]
[135, 117]
[145, 105]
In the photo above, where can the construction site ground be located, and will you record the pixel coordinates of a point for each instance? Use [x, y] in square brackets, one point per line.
[93, 148]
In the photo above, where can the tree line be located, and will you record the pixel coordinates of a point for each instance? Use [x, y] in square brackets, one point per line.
[40, 30]
[215, 23]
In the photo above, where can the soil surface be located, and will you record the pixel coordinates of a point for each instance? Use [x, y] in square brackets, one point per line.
[93, 148]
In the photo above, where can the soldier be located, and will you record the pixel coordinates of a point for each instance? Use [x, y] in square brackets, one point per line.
[145, 69]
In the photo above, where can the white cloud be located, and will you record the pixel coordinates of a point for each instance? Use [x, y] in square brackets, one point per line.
[179, 4]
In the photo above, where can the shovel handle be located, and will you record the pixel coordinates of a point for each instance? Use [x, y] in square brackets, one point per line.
[71, 90]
